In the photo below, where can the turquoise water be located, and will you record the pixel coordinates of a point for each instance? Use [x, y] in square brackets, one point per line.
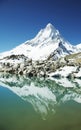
[38, 104]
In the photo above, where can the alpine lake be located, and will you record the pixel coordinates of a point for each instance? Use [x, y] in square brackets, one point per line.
[39, 104]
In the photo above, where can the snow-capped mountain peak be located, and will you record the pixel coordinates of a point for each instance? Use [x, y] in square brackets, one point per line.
[48, 41]
[52, 29]
[49, 32]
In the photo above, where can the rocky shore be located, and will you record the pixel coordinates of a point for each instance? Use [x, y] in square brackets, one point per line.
[68, 66]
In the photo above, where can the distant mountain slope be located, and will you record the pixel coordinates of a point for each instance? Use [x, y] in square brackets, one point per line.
[47, 42]
[78, 46]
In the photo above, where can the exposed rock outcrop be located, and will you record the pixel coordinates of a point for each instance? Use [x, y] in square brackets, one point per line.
[42, 68]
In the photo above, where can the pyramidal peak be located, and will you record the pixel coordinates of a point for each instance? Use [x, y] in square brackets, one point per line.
[49, 26]
[49, 32]
[48, 41]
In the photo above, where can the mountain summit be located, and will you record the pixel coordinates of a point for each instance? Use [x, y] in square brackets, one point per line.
[48, 33]
[47, 42]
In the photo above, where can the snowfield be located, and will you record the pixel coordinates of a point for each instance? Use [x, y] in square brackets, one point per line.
[65, 71]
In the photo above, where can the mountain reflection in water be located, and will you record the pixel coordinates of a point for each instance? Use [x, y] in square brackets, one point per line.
[45, 95]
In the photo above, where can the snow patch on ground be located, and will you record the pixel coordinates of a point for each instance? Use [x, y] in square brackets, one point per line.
[78, 74]
[64, 71]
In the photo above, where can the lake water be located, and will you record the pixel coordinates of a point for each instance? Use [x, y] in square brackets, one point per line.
[39, 104]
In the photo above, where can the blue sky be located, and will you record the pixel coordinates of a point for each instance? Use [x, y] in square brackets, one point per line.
[20, 20]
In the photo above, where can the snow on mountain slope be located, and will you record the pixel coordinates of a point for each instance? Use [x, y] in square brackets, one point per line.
[46, 42]
[78, 46]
